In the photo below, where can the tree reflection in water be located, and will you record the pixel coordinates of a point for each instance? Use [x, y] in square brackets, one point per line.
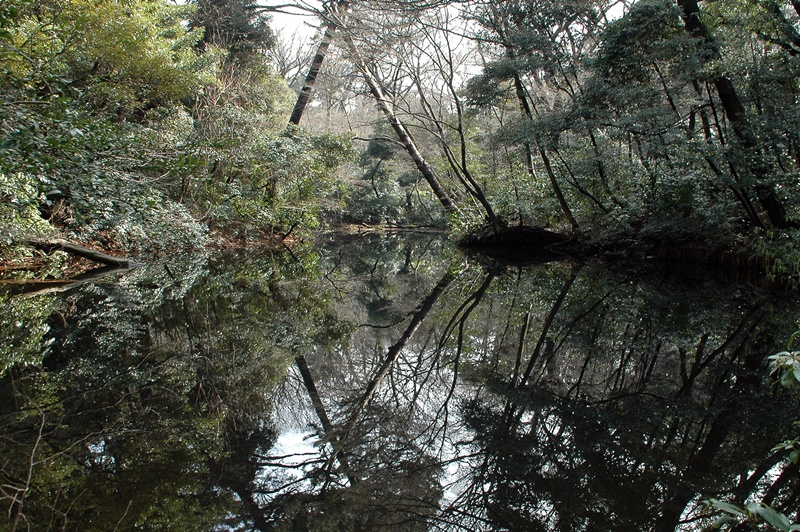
[433, 393]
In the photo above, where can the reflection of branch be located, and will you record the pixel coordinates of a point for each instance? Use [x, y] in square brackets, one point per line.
[35, 288]
[461, 319]
[548, 322]
[327, 426]
[754, 316]
[598, 328]
[470, 304]
[276, 460]
[474, 491]
[391, 356]
[128, 509]
[523, 334]
[18, 493]
[281, 489]
[620, 397]
[511, 416]
[748, 486]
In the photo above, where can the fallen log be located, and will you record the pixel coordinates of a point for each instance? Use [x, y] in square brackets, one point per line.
[60, 244]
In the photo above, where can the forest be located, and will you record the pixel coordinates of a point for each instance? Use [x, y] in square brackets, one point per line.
[141, 127]
[301, 346]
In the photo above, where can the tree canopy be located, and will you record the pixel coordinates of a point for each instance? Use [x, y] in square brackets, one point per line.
[148, 125]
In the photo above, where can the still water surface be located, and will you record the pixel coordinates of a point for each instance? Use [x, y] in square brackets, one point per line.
[389, 383]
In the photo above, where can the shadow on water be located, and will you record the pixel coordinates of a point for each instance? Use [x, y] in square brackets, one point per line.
[387, 383]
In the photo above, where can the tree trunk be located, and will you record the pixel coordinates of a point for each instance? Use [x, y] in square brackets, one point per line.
[735, 112]
[327, 426]
[311, 78]
[460, 168]
[548, 322]
[35, 287]
[519, 90]
[557, 189]
[392, 355]
[402, 134]
[333, 20]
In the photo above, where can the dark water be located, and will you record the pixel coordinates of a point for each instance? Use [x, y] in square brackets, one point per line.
[388, 383]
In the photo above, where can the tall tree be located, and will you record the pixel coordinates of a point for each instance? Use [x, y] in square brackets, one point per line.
[535, 54]
[239, 26]
[404, 137]
[736, 114]
[333, 13]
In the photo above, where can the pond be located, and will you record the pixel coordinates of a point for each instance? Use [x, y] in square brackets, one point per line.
[388, 382]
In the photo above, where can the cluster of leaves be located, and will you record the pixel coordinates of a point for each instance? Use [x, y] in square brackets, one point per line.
[786, 364]
[751, 512]
[780, 251]
[24, 328]
[785, 367]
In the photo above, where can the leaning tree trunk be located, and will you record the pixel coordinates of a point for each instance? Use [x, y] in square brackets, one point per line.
[402, 133]
[311, 78]
[461, 169]
[526, 109]
[59, 244]
[392, 354]
[327, 426]
[333, 16]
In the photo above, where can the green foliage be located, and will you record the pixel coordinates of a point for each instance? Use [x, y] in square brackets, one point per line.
[377, 199]
[23, 326]
[385, 190]
[786, 364]
[70, 68]
[118, 131]
[235, 25]
[251, 176]
[118, 57]
[487, 89]
[753, 512]
[638, 116]
[19, 209]
[276, 182]
[92, 180]
[780, 251]
[651, 32]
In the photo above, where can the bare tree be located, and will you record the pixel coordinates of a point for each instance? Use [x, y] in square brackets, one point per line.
[404, 137]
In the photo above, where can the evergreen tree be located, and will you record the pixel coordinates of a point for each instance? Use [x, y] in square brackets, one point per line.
[236, 25]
